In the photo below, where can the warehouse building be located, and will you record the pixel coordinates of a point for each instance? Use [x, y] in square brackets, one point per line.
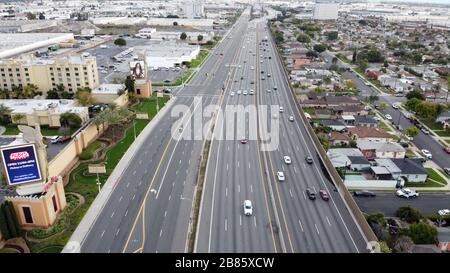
[326, 11]
[168, 54]
[14, 26]
[72, 72]
[12, 44]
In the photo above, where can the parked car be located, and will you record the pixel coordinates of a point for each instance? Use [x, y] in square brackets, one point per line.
[407, 193]
[425, 131]
[447, 150]
[364, 193]
[64, 139]
[427, 154]
[388, 117]
[444, 212]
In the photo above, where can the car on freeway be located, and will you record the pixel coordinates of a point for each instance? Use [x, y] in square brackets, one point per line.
[324, 195]
[425, 131]
[447, 171]
[287, 159]
[245, 93]
[367, 83]
[268, 90]
[262, 78]
[291, 118]
[444, 212]
[244, 140]
[447, 150]
[248, 208]
[427, 154]
[251, 92]
[280, 176]
[275, 87]
[262, 71]
[407, 193]
[309, 159]
[238, 92]
[364, 193]
[242, 78]
[388, 117]
[252, 82]
[311, 194]
[281, 109]
[252, 68]
[231, 93]
[268, 75]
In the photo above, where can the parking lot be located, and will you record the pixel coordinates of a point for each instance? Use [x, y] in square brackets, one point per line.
[108, 69]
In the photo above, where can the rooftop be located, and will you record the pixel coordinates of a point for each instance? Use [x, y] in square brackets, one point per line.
[27, 106]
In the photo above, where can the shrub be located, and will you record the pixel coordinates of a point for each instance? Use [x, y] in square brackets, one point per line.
[85, 155]
[409, 214]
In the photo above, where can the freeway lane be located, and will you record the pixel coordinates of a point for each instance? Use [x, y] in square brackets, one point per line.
[150, 207]
[314, 226]
[233, 175]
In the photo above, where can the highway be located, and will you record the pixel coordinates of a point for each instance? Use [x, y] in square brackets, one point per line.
[149, 210]
[283, 220]
[422, 141]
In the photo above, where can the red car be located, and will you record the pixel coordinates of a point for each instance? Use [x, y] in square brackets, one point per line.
[447, 150]
[244, 141]
[324, 195]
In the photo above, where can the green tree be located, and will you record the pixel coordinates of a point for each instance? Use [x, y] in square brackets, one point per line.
[175, 23]
[303, 38]
[412, 104]
[311, 54]
[18, 118]
[415, 93]
[120, 42]
[29, 91]
[362, 64]
[70, 120]
[320, 48]
[386, 64]
[377, 218]
[5, 113]
[52, 95]
[200, 38]
[412, 131]
[83, 96]
[409, 214]
[332, 35]
[11, 219]
[422, 233]
[350, 85]
[383, 106]
[183, 36]
[129, 84]
[384, 248]
[403, 244]
[373, 98]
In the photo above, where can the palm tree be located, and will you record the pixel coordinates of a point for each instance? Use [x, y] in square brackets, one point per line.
[17, 118]
[4, 94]
[5, 113]
[29, 91]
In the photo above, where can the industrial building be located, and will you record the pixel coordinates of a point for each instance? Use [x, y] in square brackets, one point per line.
[43, 112]
[13, 26]
[71, 71]
[151, 33]
[193, 9]
[326, 11]
[168, 54]
[12, 44]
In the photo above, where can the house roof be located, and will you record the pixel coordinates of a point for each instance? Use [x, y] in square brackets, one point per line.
[358, 160]
[332, 122]
[344, 151]
[369, 132]
[388, 164]
[410, 166]
[380, 170]
[339, 136]
[364, 144]
[365, 120]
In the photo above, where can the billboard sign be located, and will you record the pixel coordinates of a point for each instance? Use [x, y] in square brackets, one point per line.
[137, 69]
[21, 164]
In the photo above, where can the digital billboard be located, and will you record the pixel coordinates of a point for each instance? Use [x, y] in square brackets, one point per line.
[21, 164]
[137, 69]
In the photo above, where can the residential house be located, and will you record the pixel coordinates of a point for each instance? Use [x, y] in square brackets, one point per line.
[366, 121]
[444, 119]
[412, 170]
[359, 163]
[337, 138]
[348, 120]
[335, 125]
[350, 110]
[372, 149]
[369, 133]
[339, 157]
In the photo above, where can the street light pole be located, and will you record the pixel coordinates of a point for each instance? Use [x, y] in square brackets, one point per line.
[98, 180]
[134, 128]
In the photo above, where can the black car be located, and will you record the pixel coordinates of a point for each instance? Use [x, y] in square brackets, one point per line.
[364, 193]
[311, 195]
[309, 159]
[166, 90]
[404, 144]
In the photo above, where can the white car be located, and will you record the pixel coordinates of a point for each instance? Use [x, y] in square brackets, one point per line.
[252, 92]
[245, 92]
[281, 109]
[280, 176]
[248, 207]
[53, 139]
[287, 160]
[376, 118]
[232, 93]
[444, 212]
[239, 92]
[427, 153]
[388, 117]
[291, 118]
[395, 105]
[252, 68]
[268, 90]
[407, 193]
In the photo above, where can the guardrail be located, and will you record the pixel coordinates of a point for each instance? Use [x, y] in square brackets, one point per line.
[336, 179]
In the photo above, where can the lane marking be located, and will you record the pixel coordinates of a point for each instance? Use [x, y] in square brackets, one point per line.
[255, 220]
[126, 212]
[226, 224]
[112, 214]
[317, 229]
[301, 227]
[101, 236]
[240, 220]
[328, 220]
[117, 233]
[120, 199]
[290, 192]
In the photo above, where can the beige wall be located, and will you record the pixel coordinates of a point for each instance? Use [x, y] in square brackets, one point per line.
[42, 210]
[121, 100]
[62, 163]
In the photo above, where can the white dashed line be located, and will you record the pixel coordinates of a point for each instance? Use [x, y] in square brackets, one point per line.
[103, 233]
[133, 197]
[226, 225]
[112, 214]
[117, 233]
[301, 227]
[126, 212]
[290, 192]
[317, 229]
[170, 196]
[120, 199]
[328, 220]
